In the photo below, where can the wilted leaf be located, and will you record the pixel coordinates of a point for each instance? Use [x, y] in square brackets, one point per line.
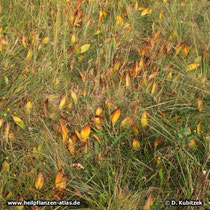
[11, 135]
[99, 111]
[78, 166]
[148, 203]
[1, 122]
[144, 120]
[64, 131]
[19, 122]
[115, 115]
[39, 181]
[84, 48]
[71, 147]
[9, 195]
[97, 122]
[74, 97]
[119, 21]
[74, 137]
[45, 107]
[146, 11]
[24, 41]
[96, 137]
[6, 131]
[191, 67]
[200, 104]
[100, 157]
[45, 40]
[73, 38]
[136, 144]
[127, 122]
[157, 141]
[29, 54]
[60, 180]
[127, 80]
[192, 144]
[85, 132]
[63, 102]
[5, 166]
[200, 129]
[28, 107]
[135, 129]
[179, 47]
[153, 88]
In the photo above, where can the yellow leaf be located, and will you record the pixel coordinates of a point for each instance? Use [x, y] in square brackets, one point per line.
[192, 144]
[127, 80]
[9, 195]
[119, 21]
[6, 131]
[200, 129]
[19, 122]
[28, 107]
[144, 120]
[186, 50]
[146, 11]
[5, 166]
[1, 122]
[115, 115]
[100, 157]
[73, 38]
[39, 181]
[45, 40]
[84, 48]
[200, 104]
[64, 131]
[127, 122]
[136, 144]
[153, 88]
[71, 147]
[161, 14]
[99, 111]
[29, 54]
[149, 202]
[191, 67]
[74, 97]
[78, 134]
[60, 180]
[97, 32]
[85, 132]
[62, 102]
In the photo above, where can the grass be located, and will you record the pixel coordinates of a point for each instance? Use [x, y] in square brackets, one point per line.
[105, 102]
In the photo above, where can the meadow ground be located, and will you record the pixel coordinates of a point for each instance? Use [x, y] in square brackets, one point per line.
[105, 102]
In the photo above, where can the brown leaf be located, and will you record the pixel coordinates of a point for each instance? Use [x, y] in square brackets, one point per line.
[45, 107]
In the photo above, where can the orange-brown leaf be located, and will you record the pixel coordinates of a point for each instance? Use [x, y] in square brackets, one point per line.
[39, 181]
[148, 203]
[60, 180]
[64, 131]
